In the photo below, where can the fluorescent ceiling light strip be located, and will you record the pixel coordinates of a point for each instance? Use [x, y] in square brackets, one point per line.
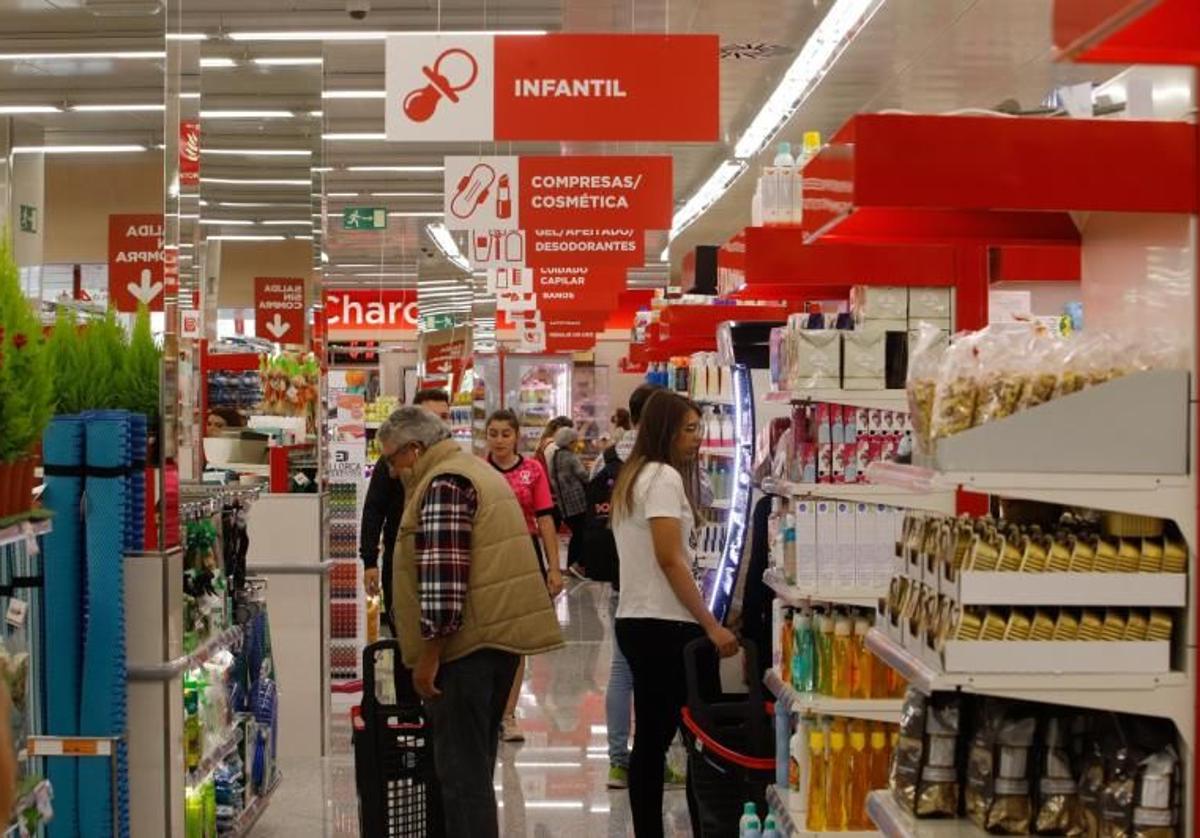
[247, 114]
[341, 194]
[78, 149]
[134, 107]
[283, 222]
[819, 53]
[217, 62]
[407, 214]
[445, 243]
[258, 181]
[316, 113]
[706, 195]
[406, 194]
[187, 36]
[260, 204]
[257, 152]
[354, 94]
[20, 109]
[354, 135]
[189, 95]
[247, 238]
[364, 34]
[292, 61]
[415, 168]
[303, 238]
[238, 222]
[52, 56]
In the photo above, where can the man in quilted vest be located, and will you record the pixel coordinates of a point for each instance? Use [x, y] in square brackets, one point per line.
[469, 600]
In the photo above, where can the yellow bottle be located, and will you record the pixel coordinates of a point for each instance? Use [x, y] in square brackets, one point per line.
[837, 797]
[817, 780]
[843, 657]
[860, 781]
[880, 759]
[864, 661]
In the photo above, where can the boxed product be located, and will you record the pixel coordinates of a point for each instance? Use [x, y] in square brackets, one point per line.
[865, 548]
[864, 357]
[849, 457]
[929, 304]
[825, 463]
[837, 425]
[827, 545]
[871, 303]
[805, 571]
[847, 545]
[816, 359]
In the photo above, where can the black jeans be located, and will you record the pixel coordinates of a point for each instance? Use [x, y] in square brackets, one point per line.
[466, 735]
[654, 649]
[576, 524]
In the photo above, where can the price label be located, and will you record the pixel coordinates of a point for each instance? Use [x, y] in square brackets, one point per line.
[17, 610]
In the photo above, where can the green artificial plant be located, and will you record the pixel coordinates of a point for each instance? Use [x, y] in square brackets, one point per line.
[26, 385]
[67, 362]
[105, 358]
[142, 368]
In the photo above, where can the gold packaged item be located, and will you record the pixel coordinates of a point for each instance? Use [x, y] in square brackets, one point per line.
[1114, 625]
[1067, 626]
[1175, 557]
[1058, 807]
[1059, 558]
[937, 792]
[1036, 555]
[954, 407]
[1012, 550]
[1091, 625]
[1129, 555]
[1083, 554]
[993, 626]
[969, 626]
[1039, 389]
[1043, 626]
[1156, 815]
[999, 396]
[1151, 560]
[1160, 626]
[1106, 556]
[985, 552]
[1137, 625]
[1018, 627]
[908, 751]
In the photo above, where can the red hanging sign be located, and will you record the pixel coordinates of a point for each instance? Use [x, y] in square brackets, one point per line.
[563, 86]
[135, 261]
[578, 289]
[617, 248]
[360, 309]
[189, 153]
[279, 308]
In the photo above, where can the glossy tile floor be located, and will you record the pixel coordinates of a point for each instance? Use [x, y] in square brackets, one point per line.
[551, 785]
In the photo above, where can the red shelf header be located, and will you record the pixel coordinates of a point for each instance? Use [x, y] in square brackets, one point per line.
[1128, 31]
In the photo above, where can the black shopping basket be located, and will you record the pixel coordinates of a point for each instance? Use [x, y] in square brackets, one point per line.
[398, 793]
[730, 742]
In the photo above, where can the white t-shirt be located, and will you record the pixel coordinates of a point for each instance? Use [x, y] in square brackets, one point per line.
[645, 591]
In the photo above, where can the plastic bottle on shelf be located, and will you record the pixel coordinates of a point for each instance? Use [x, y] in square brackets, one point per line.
[749, 826]
[770, 829]
[864, 662]
[784, 167]
[811, 145]
[783, 731]
[837, 798]
[881, 686]
[797, 766]
[805, 661]
[817, 781]
[880, 759]
[824, 632]
[712, 428]
[843, 657]
[726, 393]
[860, 781]
[787, 641]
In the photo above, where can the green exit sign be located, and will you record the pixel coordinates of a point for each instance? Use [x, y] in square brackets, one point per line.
[434, 322]
[28, 219]
[364, 218]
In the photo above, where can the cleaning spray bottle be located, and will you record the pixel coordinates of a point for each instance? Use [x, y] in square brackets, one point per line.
[749, 826]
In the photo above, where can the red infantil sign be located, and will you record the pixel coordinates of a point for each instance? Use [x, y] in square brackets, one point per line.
[616, 248]
[578, 289]
[135, 261]
[558, 193]
[279, 308]
[361, 309]
[189, 153]
[476, 87]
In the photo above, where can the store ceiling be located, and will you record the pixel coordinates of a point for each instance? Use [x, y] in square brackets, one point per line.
[921, 55]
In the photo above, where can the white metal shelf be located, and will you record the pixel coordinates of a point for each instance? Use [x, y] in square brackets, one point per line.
[870, 709]
[718, 450]
[884, 399]
[215, 756]
[935, 500]
[894, 822]
[798, 597]
[792, 824]
[1126, 590]
[1166, 695]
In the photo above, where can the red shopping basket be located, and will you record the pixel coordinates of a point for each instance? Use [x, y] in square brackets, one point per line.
[398, 794]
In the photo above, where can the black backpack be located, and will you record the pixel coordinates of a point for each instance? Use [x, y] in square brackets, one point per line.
[600, 547]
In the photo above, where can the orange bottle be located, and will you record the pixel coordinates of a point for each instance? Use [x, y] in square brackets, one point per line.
[860, 782]
[837, 799]
[864, 661]
[817, 780]
[880, 759]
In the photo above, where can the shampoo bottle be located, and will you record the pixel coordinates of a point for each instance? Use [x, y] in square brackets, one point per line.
[817, 781]
[750, 826]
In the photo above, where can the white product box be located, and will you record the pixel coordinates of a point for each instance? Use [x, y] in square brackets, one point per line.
[845, 575]
[804, 561]
[945, 324]
[874, 302]
[883, 540]
[864, 356]
[827, 545]
[818, 358]
[929, 303]
[865, 549]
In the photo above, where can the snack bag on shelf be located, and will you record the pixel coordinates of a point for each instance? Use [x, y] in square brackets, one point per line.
[923, 364]
[1004, 372]
[997, 792]
[1046, 353]
[957, 390]
[1056, 793]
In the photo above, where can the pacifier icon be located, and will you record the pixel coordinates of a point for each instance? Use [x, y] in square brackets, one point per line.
[420, 104]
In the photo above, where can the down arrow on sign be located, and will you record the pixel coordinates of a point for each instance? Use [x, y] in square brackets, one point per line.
[277, 327]
[146, 289]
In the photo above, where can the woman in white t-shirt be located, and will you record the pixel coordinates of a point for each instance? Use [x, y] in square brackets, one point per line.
[661, 609]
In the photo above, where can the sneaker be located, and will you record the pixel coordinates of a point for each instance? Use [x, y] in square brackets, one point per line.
[510, 730]
[673, 779]
[618, 777]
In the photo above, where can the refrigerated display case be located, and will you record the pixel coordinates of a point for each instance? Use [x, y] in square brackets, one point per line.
[486, 397]
[590, 408]
[537, 388]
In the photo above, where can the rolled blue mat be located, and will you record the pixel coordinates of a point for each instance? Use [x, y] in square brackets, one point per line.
[136, 536]
[63, 549]
[103, 705]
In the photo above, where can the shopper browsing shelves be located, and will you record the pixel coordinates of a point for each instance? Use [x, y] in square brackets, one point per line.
[661, 609]
[532, 488]
[470, 600]
[569, 481]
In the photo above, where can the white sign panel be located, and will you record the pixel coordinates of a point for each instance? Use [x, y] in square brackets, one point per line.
[439, 86]
[481, 193]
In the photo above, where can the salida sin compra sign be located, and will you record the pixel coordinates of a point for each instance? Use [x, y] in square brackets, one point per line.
[279, 308]
[562, 86]
[135, 261]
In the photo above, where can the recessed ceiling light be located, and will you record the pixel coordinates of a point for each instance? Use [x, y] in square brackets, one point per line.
[256, 152]
[341, 194]
[407, 214]
[78, 149]
[354, 94]
[125, 107]
[186, 36]
[406, 194]
[283, 222]
[247, 114]
[23, 109]
[283, 61]
[216, 62]
[365, 34]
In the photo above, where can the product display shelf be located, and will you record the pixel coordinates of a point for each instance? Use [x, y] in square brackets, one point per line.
[35, 798]
[883, 399]
[718, 450]
[792, 822]
[894, 822]
[932, 500]
[798, 597]
[227, 638]
[870, 709]
[1167, 695]
[216, 756]
[23, 531]
[251, 814]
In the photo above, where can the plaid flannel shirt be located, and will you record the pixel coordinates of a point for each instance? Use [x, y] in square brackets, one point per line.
[444, 553]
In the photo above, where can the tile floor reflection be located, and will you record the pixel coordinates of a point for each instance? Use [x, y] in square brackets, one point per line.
[551, 785]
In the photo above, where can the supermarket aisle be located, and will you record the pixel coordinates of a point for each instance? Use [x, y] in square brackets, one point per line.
[551, 785]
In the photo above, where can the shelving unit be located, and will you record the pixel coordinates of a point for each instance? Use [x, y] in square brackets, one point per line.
[250, 815]
[932, 500]
[894, 822]
[216, 756]
[792, 824]
[883, 399]
[23, 531]
[798, 597]
[870, 709]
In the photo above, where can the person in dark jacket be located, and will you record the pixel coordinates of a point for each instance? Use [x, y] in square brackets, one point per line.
[384, 505]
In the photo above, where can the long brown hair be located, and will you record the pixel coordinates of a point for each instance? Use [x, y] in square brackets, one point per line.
[662, 420]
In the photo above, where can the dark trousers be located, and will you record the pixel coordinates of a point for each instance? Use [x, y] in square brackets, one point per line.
[654, 649]
[576, 524]
[466, 735]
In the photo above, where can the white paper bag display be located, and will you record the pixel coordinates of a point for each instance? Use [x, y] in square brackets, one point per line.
[816, 361]
[871, 302]
[864, 359]
[929, 303]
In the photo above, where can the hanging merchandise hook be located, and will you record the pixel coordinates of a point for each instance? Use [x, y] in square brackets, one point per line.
[420, 104]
